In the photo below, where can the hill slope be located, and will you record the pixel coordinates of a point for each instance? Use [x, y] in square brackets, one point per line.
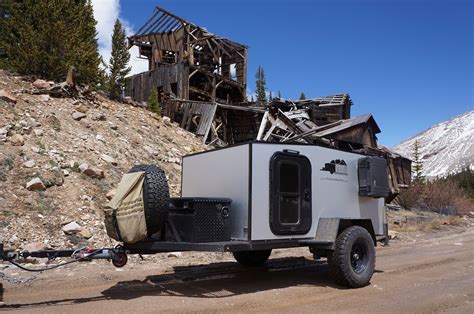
[41, 140]
[446, 147]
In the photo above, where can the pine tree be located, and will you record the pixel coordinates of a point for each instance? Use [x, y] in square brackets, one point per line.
[417, 164]
[44, 38]
[302, 96]
[279, 95]
[118, 61]
[153, 104]
[260, 84]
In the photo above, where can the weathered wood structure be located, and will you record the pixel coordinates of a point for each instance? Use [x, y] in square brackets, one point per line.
[187, 62]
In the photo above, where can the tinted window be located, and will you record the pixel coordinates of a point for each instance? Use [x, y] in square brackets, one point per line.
[289, 209]
[289, 178]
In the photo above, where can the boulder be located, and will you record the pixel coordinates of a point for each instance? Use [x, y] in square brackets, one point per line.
[76, 115]
[35, 185]
[85, 233]
[38, 132]
[82, 167]
[6, 96]
[3, 134]
[109, 159]
[71, 228]
[41, 84]
[17, 140]
[100, 138]
[94, 173]
[29, 164]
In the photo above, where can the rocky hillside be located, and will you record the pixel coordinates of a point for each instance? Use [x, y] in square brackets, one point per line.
[59, 157]
[445, 148]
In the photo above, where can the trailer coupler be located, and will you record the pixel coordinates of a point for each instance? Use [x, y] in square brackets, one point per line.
[117, 255]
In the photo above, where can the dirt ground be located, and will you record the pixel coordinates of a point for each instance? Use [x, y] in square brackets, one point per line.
[426, 272]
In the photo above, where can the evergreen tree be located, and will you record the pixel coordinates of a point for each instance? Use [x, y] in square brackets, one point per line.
[118, 61]
[279, 95]
[153, 104]
[417, 164]
[302, 96]
[260, 84]
[44, 38]
[270, 96]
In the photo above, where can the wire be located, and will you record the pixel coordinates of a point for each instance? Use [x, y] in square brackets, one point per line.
[52, 267]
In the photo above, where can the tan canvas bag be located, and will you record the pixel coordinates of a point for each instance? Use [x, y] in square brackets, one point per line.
[125, 213]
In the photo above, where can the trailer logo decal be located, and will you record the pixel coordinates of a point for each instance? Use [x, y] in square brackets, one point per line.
[338, 166]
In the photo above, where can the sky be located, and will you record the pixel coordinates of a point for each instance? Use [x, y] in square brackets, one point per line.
[408, 62]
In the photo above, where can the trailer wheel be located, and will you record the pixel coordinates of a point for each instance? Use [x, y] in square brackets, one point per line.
[252, 258]
[156, 196]
[352, 262]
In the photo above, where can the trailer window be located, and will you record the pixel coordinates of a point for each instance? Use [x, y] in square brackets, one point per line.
[290, 193]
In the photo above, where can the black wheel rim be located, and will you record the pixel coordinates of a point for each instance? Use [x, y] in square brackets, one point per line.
[359, 257]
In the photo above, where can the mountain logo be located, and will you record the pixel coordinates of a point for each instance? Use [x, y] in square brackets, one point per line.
[337, 166]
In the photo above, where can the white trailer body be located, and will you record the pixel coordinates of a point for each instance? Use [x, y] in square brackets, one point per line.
[269, 204]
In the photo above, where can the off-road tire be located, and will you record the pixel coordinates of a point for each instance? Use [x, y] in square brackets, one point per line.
[352, 262]
[156, 196]
[252, 258]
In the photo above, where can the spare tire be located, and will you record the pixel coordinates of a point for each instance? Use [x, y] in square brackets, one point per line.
[156, 196]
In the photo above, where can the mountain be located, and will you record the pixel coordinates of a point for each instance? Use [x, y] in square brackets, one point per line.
[445, 148]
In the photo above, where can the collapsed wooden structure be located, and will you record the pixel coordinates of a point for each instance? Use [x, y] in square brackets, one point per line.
[201, 81]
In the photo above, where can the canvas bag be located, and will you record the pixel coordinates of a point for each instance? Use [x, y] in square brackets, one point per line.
[125, 213]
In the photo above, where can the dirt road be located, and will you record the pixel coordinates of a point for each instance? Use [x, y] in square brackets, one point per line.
[432, 273]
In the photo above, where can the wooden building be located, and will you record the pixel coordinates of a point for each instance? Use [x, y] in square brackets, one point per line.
[187, 62]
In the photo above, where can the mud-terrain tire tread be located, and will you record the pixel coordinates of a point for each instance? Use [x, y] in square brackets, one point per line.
[156, 196]
[340, 268]
[252, 258]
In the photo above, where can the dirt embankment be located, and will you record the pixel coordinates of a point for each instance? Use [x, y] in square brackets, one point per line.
[59, 157]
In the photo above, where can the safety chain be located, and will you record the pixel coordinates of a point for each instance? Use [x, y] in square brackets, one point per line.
[19, 280]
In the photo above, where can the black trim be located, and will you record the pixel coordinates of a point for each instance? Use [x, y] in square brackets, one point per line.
[303, 225]
[153, 247]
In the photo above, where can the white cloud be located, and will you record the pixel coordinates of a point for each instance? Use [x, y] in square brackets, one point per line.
[105, 13]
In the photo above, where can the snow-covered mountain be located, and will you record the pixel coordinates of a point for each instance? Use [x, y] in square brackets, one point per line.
[445, 148]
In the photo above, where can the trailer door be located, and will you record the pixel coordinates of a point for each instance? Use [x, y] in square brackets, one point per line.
[290, 193]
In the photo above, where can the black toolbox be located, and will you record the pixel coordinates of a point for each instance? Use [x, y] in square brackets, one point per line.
[200, 219]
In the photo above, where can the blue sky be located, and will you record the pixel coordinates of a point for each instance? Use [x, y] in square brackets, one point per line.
[408, 62]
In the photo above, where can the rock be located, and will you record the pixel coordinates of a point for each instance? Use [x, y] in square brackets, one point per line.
[41, 84]
[82, 167]
[45, 98]
[82, 108]
[54, 177]
[99, 117]
[3, 134]
[78, 115]
[109, 159]
[38, 132]
[65, 172]
[17, 140]
[71, 228]
[35, 246]
[113, 127]
[99, 137]
[36, 185]
[6, 96]
[110, 195]
[29, 164]
[35, 149]
[166, 120]
[85, 233]
[392, 234]
[94, 173]
[175, 254]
